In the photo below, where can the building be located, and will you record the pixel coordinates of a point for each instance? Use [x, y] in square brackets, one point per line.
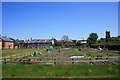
[36, 43]
[65, 42]
[83, 41]
[72, 41]
[6, 43]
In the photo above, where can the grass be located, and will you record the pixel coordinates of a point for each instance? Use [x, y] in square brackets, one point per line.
[81, 53]
[60, 71]
[95, 53]
[63, 53]
[55, 53]
[104, 54]
[9, 52]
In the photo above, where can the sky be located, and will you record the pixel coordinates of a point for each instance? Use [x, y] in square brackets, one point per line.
[43, 20]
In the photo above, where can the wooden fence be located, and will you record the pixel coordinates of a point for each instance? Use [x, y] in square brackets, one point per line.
[19, 55]
[38, 60]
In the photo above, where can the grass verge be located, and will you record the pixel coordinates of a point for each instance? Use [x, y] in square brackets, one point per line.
[60, 71]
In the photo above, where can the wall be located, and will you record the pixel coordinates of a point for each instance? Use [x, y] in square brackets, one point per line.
[7, 45]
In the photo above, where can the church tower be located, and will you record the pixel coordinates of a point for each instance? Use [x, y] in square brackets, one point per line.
[107, 36]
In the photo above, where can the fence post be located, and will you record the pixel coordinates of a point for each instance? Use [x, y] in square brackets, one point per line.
[11, 58]
[20, 55]
[54, 61]
[72, 60]
[89, 58]
[106, 58]
[40, 59]
[90, 61]
[4, 60]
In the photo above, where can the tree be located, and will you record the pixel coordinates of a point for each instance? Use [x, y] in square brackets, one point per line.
[78, 43]
[101, 40]
[11, 38]
[55, 42]
[92, 38]
[15, 41]
[118, 36]
[65, 38]
[69, 45]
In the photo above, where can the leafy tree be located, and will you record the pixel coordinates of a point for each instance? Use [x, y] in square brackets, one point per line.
[84, 45]
[102, 40]
[55, 42]
[78, 43]
[92, 38]
[16, 42]
[118, 36]
[11, 38]
[112, 41]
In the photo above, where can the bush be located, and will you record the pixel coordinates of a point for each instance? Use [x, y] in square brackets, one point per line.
[69, 45]
[78, 44]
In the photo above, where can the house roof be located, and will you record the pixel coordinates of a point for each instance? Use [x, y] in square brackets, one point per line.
[37, 41]
[5, 39]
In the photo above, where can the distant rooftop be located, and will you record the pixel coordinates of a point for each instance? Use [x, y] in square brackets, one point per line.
[36, 41]
[5, 39]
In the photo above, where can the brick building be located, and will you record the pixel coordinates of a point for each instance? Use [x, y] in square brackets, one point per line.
[6, 43]
[36, 43]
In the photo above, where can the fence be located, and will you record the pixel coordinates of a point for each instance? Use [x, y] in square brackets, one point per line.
[20, 55]
[38, 60]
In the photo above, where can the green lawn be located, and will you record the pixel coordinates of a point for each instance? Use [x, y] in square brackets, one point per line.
[60, 71]
[18, 51]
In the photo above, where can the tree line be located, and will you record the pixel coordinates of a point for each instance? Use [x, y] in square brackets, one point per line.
[92, 41]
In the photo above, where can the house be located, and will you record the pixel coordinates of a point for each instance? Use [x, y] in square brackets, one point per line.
[36, 43]
[6, 43]
[72, 41]
[83, 41]
[65, 42]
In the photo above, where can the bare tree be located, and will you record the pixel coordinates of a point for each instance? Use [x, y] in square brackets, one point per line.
[65, 38]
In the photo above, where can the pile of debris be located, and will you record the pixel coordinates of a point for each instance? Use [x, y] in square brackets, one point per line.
[27, 61]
